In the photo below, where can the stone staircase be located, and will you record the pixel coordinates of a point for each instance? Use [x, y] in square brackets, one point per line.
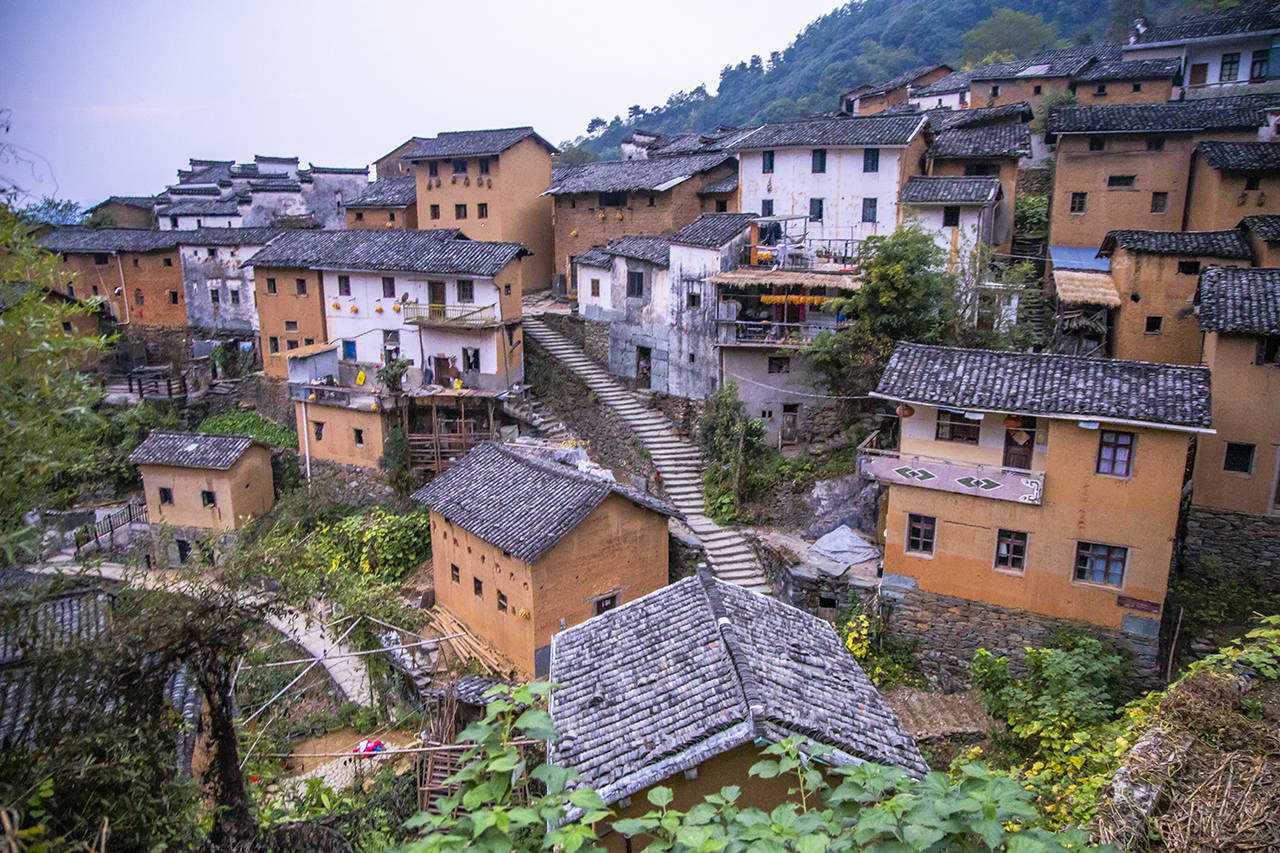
[679, 463]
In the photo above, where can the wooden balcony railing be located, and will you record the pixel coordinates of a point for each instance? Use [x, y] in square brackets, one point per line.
[766, 333]
[458, 316]
[949, 475]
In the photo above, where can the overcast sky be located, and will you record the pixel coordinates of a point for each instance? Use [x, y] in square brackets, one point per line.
[114, 97]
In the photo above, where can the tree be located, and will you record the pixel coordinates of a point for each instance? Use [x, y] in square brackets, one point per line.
[1121, 17]
[733, 445]
[575, 155]
[53, 211]
[1009, 32]
[101, 218]
[596, 124]
[635, 112]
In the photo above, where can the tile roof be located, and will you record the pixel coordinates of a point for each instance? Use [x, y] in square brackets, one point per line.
[1065, 62]
[653, 250]
[191, 450]
[1134, 69]
[713, 230]
[956, 81]
[472, 143]
[935, 189]
[520, 502]
[440, 250]
[726, 184]
[855, 130]
[1009, 139]
[1048, 385]
[1254, 17]
[224, 236]
[690, 671]
[1212, 244]
[656, 174]
[388, 192]
[1241, 156]
[199, 207]
[948, 118]
[1174, 116]
[903, 79]
[1243, 300]
[77, 238]
[596, 257]
[143, 201]
[1266, 226]
[706, 142]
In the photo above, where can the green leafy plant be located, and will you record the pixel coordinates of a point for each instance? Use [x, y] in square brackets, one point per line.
[733, 445]
[394, 462]
[250, 423]
[1031, 214]
[887, 661]
[391, 375]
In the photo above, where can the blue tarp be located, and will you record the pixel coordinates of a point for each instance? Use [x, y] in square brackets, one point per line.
[1078, 258]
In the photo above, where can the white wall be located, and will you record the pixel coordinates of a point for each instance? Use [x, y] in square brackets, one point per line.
[188, 223]
[957, 241]
[955, 100]
[592, 306]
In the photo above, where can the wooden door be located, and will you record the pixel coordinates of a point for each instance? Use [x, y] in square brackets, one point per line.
[442, 372]
[790, 423]
[435, 299]
[1199, 74]
[1020, 443]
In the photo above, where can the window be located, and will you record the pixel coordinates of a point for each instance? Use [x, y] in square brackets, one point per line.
[1121, 180]
[1188, 267]
[868, 210]
[100, 258]
[506, 289]
[214, 296]
[722, 206]
[291, 325]
[693, 300]
[1155, 143]
[173, 297]
[871, 159]
[359, 216]
[1011, 550]
[819, 160]
[235, 296]
[435, 211]
[344, 285]
[482, 210]
[502, 602]
[306, 342]
[635, 284]
[1137, 87]
[1252, 182]
[1100, 563]
[815, 210]
[1101, 90]
[138, 298]
[271, 285]
[173, 222]
[273, 344]
[459, 167]
[291, 343]
[1260, 65]
[388, 287]
[433, 169]
[391, 216]
[466, 291]
[1155, 325]
[606, 603]
[477, 586]
[1268, 350]
[779, 364]
[1078, 201]
[1037, 89]
[766, 162]
[459, 211]
[359, 437]
[950, 216]
[954, 426]
[981, 169]
[208, 498]
[66, 325]
[318, 428]
[95, 290]
[168, 262]
[454, 574]
[1238, 458]
[995, 90]
[595, 287]
[1230, 68]
[1097, 143]
[470, 358]
[920, 533]
[652, 201]
[766, 207]
[166, 495]
[613, 199]
[1115, 453]
[482, 165]
[349, 350]
[1159, 202]
[300, 285]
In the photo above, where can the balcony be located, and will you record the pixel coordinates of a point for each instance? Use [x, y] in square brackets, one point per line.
[451, 316]
[949, 475]
[764, 333]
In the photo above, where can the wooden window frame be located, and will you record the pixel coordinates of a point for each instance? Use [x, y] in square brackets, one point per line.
[955, 428]
[1011, 554]
[1112, 446]
[1086, 552]
[922, 530]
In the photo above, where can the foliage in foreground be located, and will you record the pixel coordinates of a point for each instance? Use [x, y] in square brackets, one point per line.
[251, 424]
[505, 804]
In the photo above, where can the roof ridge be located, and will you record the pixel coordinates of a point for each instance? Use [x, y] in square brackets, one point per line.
[734, 645]
[1091, 359]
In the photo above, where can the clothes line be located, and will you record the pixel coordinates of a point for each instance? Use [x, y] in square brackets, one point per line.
[357, 654]
[737, 378]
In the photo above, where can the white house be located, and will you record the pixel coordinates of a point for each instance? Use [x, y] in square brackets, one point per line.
[958, 211]
[1219, 50]
[951, 91]
[217, 282]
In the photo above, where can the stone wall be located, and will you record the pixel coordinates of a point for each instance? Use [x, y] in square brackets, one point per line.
[1219, 539]
[812, 591]
[1035, 181]
[949, 630]
[596, 344]
[683, 412]
[572, 326]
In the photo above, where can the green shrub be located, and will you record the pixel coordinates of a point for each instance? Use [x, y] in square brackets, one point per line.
[888, 662]
[1031, 214]
[252, 424]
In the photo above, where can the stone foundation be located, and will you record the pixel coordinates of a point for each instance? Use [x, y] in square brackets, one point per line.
[683, 412]
[596, 343]
[1219, 540]
[1034, 182]
[949, 630]
[816, 592]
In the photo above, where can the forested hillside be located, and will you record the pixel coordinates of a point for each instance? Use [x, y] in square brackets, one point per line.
[868, 41]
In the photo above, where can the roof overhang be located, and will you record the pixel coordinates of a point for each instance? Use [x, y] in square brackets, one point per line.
[1060, 416]
[745, 276]
[1244, 36]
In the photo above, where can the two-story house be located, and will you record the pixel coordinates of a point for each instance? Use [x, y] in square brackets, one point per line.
[873, 97]
[959, 211]
[489, 185]
[138, 271]
[1029, 491]
[1263, 234]
[217, 283]
[386, 203]
[1229, 180]
[951, 92]
[524, 546]
[842, 174]
[125, 211]
[1221, 52]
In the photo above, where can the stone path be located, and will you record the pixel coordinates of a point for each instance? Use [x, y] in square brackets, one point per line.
[349, 673]
[679, 463]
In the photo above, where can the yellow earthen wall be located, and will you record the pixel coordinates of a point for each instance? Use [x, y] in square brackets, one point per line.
[242, 492]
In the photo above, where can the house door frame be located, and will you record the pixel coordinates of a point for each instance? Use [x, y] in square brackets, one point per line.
[1013, 451]
[644, 367]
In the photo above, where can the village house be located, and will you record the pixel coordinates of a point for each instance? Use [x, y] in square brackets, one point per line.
[642, 144]
[599, 202]
[686, 686]
[1029, 491]
[1112, 81]
[489, 184]
[951, 91]
[125, 211]
[393, 164]
[448, 305]
[843, 175]
[1130, 164]
[524, 546]
[138, 271]
[201, 486]
[959, 212]
[218, 285]
[872, 98]
[1154, 275]
[1229, 180]
[1263, 234]
[386, 203]
[1222, 52]
[1235, 498]
[1049, 72]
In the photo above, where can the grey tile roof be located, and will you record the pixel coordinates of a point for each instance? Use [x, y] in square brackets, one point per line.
[712, 230]
[76, 238]
[926, 189]
[387, 192]
[143, 201]
[191, 450]
[856, 131]
[225, 236]
[1254, 17]
[199, 207]
[1048, 384]
[905, 78]
[1064, 62]
[1213, 244]
[1134, 69]
[1011, 139]
[1241, 156]
[946, 118]
[653, 250]
[726, 184]
[439, 250]
[1267, 226]
[275, 186]
[687, 672]
[472, 143]
[196, 190]
[596, 256]
[1175, 116]
[656, 174]
[705, 142]
[519, 502]
[956, 81]
[1243, 300]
